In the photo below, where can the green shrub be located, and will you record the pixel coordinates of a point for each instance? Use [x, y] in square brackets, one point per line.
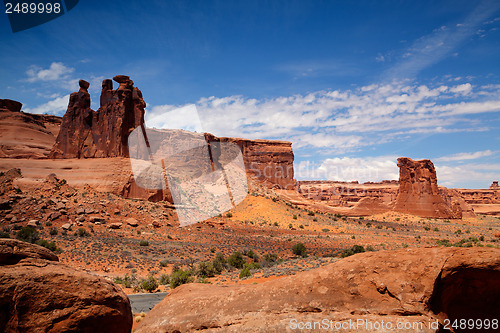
[144, 243]
[48, 245]
[4, 234]
[236, 260]
[294, 217]
[206, 269]
[164, 279]
[275, 224]
[180, 277]
[127, 281]
[229, 214]
[299, 249]
[81, 232]
[349, 252]
[219, 263]
[310, 213]
[150, 284]
[269, 259]
[245, 273]
[53, 231]
[164, 263]
[28, 234]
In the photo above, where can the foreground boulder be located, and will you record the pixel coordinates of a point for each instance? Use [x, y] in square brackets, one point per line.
[39, 294]
[417, 288]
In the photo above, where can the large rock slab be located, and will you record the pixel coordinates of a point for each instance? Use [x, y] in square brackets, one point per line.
[404, 286]
[39, 294]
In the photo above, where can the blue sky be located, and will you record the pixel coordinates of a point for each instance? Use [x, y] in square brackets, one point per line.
[353, 84]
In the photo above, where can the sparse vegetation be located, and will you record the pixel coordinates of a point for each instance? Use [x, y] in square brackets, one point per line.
[28, 234]
[180, 277]
[236, 260]
[144, 243]
[299, 249]
[349, 252]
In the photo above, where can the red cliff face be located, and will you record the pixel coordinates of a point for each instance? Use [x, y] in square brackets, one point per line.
[103, 133]
[418, 191]
[268, 161]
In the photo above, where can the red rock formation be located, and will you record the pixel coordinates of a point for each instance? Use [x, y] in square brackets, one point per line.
[25, 135]
[39, 294]
[418, 191]
[407, 285]
[268, 161]
[494, 185]
[85, 133]
[10, 105]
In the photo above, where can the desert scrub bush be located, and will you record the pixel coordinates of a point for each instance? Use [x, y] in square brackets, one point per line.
[219, 263]
[315, 220]
[127, 281]
[180, 277]
[269, 260]
[245, 273]
[205, 269]
[28, 234]
[81, 232]
[443, 242]
[236, 260]
[370, 248]
[150, 284]
[294, 217]
[299, 249]
[301, 226]
[164, 263]
[229, 214]
[164, 279]
[310, 213]
[4, 234]
[144, 243]
[252, 255]
[53, 232]
[48, 245]
[353, 250]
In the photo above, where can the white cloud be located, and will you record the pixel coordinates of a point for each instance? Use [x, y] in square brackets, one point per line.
[350, 169]
[56, 106]
[467, 175]
[346, 120]
[56, 71]
[466, 156]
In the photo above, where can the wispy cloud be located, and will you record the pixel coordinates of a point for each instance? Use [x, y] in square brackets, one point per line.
[442, 42]
[466, 156]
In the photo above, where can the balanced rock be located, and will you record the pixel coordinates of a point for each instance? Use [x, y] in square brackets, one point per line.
[39, 294]
[418, 191]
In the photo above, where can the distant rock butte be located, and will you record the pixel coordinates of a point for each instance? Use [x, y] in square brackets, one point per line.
[494, 186]
[39, 294]
[406, 285]
[419, 193]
